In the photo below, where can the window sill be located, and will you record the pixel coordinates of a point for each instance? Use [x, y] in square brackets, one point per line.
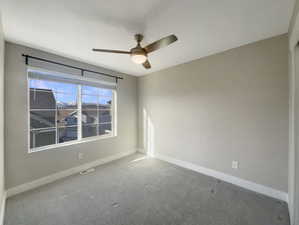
[84, 140]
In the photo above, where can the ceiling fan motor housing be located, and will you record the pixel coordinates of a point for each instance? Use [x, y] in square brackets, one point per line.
[138, 55]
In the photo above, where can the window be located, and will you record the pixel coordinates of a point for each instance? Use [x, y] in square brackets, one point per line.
[96, 111]
[62, 112]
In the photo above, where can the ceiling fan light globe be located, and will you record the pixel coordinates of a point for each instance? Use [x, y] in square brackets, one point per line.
[138, 58]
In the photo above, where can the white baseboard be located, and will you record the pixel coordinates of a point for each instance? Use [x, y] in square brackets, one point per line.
[2, 209]
[227, 178]
[56, 176]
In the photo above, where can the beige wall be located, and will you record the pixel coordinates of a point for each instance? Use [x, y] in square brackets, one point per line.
[293, 173]
[1, 113]
[229, 106]
[294, 156]
[291, 169]
[22, 167]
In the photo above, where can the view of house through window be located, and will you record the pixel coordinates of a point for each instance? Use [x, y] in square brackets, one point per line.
[62, 112]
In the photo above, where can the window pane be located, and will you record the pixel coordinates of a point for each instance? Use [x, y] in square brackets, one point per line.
[67, 134]
[104, 129]
[105, 100]
[90, 117]
[105, 92]
[42, 119]
[89, 130]
[66, 101]
[88, 90]
[53, 86]
[42, 99]
[43, 137]
[56, 104]
[42, 84]
[66, 117]
[105, 116]
[89, 102]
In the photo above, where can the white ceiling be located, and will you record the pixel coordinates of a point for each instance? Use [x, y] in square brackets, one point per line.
[73, 27]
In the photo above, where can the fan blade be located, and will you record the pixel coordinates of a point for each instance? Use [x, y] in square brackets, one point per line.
[110, 51]
[160, 43]
[146, 64]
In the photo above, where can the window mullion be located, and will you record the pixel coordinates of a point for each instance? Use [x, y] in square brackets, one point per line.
[79, 119]
[98, 115]
[56, 126]
[112, 113]
[33, 139]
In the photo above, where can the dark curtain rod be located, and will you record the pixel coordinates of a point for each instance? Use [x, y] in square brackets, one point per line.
[69, 66]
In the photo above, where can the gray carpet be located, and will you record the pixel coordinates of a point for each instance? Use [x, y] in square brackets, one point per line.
[136, 191]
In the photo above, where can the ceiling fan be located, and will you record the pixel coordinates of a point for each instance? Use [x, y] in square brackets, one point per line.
[139, 54]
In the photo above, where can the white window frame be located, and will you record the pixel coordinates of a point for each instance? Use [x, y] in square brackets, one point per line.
[112, 134]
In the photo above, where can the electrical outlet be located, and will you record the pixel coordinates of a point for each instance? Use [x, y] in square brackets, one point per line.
[235, 165]
[80, 155]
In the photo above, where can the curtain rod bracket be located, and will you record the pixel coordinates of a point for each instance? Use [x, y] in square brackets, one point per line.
[26, 59]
